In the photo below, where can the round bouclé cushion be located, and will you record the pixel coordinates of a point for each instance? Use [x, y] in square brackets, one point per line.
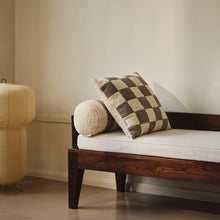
[92, 117]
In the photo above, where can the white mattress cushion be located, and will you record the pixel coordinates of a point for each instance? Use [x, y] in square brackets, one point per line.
[174, 143]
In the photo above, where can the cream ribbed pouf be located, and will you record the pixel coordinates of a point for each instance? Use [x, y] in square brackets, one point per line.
[17, 108]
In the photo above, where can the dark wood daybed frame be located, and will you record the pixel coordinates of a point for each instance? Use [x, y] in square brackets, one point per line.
[122, 164]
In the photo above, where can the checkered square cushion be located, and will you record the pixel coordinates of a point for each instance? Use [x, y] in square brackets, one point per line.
[132, 104]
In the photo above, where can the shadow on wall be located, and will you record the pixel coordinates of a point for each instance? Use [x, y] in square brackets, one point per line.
[168, 100]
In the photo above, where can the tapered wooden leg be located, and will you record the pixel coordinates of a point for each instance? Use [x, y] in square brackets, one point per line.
[120, 181]
[75, 177]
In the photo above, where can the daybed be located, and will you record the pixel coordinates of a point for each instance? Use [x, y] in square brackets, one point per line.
[182, 153]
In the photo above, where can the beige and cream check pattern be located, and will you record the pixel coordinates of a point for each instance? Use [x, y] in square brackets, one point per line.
[133, 104]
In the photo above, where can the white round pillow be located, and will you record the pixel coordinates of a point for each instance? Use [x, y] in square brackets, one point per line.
[92, 117]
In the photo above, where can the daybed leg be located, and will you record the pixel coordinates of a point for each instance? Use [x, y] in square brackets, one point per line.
[120, 181]
[75, 177]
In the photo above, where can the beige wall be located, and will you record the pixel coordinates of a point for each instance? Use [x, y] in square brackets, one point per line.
[48, 143]
[7, 40]
[61, 45]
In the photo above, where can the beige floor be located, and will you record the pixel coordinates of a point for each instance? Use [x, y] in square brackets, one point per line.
[45, 199]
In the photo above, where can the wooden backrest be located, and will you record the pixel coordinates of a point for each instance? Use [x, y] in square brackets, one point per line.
[194, 121]
[179, 120]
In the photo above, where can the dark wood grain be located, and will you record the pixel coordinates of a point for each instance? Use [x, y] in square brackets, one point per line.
[194, 121]
[122, 164]
[120, 181]
[74, 134]
[195, 171]
[75, 177]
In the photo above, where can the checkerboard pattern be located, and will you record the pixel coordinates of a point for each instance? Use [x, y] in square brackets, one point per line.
[133, 104]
